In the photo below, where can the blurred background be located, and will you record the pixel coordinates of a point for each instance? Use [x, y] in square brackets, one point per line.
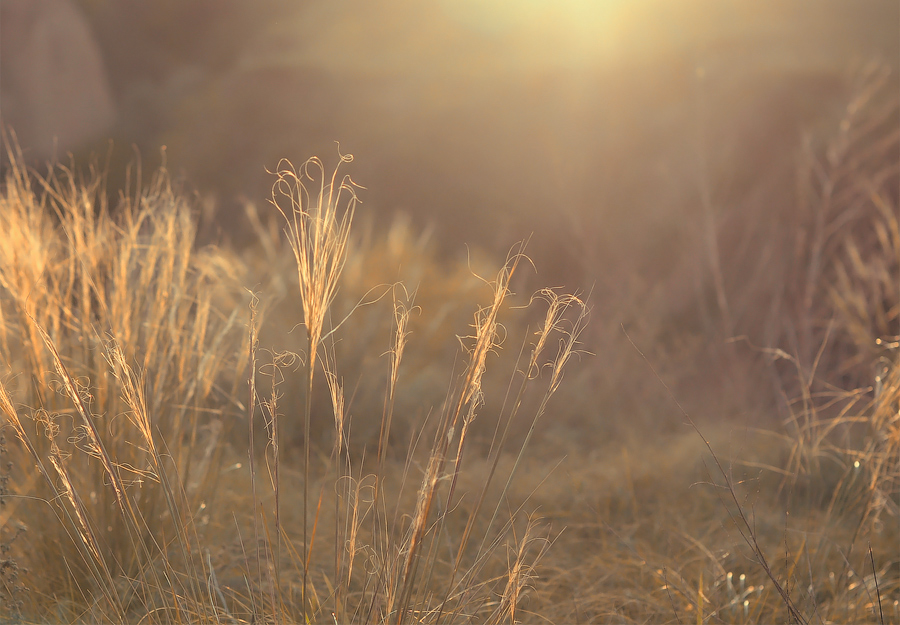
[662, 155]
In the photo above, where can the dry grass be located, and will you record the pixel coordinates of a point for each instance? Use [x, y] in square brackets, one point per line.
[346, 443]
[124, 389]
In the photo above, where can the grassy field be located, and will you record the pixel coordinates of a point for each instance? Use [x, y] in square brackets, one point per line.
[336, 426]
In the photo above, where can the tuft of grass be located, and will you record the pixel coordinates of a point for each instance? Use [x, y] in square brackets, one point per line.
[129, 355]
[116, 340]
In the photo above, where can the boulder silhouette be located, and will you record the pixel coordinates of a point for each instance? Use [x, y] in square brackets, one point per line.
[54, 90]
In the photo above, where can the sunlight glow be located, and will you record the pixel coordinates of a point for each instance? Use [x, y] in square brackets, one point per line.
[543, 31]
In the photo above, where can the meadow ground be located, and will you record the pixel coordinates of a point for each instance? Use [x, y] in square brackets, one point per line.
[335, 425]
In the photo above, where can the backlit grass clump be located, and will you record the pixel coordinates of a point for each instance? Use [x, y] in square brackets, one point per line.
[144, 405]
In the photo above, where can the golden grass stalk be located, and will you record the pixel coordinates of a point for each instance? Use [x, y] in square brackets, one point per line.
[318, 227]
[468, 396]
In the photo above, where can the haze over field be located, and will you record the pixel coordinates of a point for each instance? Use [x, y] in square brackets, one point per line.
[492, 120]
